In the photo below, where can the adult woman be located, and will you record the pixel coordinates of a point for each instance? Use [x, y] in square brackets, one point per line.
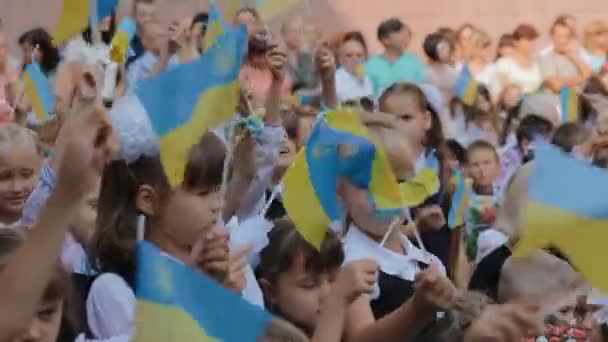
[351, 81]
[522, 67]
[479, 56]
[439, 72]
[596, 45]
[505, 46]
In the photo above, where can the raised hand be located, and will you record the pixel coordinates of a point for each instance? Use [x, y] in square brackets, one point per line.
[237, 279]
[355, 279]
[277, 61]
[433, 290]
[325, 61]
[210, 254]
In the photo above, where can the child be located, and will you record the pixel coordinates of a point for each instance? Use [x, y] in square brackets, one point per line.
[306, 286]
[574, 138]
[135, 188]
[484, 169]
[456, 156]
[20, 162]
[417, 121]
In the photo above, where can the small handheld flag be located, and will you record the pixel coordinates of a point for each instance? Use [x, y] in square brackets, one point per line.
[466, 87]
[121, 40]
[38, 89]
[569, 104]
[460, 201]
[76, 15]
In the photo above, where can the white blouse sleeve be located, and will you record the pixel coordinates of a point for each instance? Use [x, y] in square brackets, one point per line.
[111, 307]
[267, 149]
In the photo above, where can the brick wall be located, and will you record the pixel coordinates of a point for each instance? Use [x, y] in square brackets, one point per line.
[496, 16]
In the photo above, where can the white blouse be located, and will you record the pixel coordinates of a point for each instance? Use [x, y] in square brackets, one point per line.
[350, 87]
[359, 246]
[111, 307]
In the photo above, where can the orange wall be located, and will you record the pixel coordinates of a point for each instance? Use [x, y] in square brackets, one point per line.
[496, 16]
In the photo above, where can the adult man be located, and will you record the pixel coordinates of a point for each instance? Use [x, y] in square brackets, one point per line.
[564, 66]
[395, 64]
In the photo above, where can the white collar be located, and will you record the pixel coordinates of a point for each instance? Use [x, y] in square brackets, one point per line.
[357, 245]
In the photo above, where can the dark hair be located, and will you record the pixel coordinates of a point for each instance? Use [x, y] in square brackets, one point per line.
[595, 86]
[106, 36]
[286, 244]
[50, 54]
[525, 31]
[532, 126]
[390, 26]
[113, 247]
[458, 151]
[356, 36]
[512, 119]
[201, 17]
[569, 135]
[251, 10]
[561, 20]
[505, 40]
[59, 286]
[482, 145]
[205, 163]
[431, 44]
[113, 244]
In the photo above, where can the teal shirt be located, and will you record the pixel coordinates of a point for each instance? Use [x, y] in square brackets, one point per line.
[383, 73]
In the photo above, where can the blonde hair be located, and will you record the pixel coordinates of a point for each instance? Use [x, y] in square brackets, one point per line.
[592, 29]
[12, 134]
[395, 146]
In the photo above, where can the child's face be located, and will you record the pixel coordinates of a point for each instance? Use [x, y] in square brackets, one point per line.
[189, 213]
[19, 168]
[357, 204]
[299, 294]
[483, 167]
[45, 325]
[412, 122]
[287, 152]
[83, 227]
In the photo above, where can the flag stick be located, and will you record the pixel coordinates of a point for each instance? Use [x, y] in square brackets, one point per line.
[268, 203]
[225, 169]
[390, 230]
[408, 213]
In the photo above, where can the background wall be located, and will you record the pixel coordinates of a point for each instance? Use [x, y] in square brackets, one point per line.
[423, 16]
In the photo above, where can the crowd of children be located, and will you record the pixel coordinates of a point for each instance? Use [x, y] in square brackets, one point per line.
[79, 188]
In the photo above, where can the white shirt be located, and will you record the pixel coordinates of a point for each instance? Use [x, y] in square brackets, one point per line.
[528, 79]
[488, 241]
[359, 246]
[488, 76]
[111, 307]
[350, 87]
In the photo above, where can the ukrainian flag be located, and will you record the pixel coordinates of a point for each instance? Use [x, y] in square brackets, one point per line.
[460, 201]
[569, 104]
[176, 303]
[567, 208]
[75, 15]
[121, 40]
[193, 98]
[417, 190]
[466, 86]
[38, 89]
[270, 8]
[230, 8]
[215, 27]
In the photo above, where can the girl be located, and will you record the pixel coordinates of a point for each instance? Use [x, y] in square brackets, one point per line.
[440, 73]
[135, 186]
[306, 286]
[419, 122]
[19, 165]
[480, 57]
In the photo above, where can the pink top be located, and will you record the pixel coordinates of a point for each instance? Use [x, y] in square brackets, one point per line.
[259, 82]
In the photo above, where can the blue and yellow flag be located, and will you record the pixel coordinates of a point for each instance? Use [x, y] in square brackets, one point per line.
[569, 104]
[38, 89]
[121, 40]
[230, 9]
[339, 146]
[567, 209]
[193, 98]
[460, 201]
[176, 303]
[418, 189]
[270, 8]
[215, 27]
[75, 15]
[466, 87]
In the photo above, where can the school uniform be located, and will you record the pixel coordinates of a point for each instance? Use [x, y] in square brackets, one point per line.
[397, 272]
